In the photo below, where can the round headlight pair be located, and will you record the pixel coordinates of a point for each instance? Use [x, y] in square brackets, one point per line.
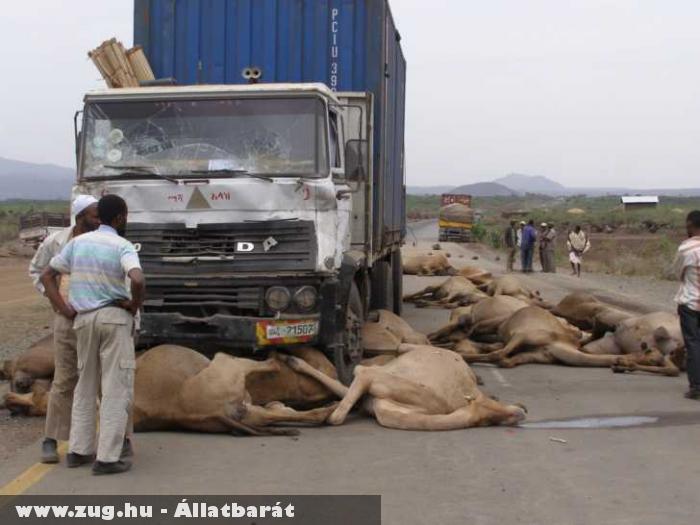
[278, 298]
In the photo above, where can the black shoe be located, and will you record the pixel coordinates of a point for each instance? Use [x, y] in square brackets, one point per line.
[693, 394]
[74, 460]
[127, 449]
[116, 467]
[49, 452]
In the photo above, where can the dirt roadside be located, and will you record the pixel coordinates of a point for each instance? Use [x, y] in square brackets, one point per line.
[25, 317]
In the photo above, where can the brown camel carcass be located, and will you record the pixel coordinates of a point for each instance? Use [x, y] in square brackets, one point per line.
[588, 313]
[476, 275]
[427, 264]
[534, 335]
[385, 332]
[37, 362]
[424, 388]
[33, 403]
[657, 330]
[454, 292]
[511, 286]
[177, 388]
[480, 319]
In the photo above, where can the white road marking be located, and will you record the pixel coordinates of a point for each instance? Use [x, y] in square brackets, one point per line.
[499, 377]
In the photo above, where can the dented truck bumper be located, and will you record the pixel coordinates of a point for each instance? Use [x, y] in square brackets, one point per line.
[240, 334]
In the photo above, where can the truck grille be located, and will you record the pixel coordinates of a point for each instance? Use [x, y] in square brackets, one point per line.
[204, 298]
[229, 247]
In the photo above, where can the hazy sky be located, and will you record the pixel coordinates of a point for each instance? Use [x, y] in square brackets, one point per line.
[587, 92]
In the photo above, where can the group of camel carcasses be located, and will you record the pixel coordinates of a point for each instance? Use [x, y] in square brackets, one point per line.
[412, 381]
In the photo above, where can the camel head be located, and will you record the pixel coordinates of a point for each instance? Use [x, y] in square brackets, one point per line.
[678, 358]
[664, 341]
[22, 382]
[33, 404]
[650, 356]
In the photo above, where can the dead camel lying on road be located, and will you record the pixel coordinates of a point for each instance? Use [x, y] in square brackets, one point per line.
[34, 363]
[427, 264]
[511, 286]
[177, 388]
[588, 313]
[480, 319]
[386, 331]
[425, 388]
[476, 275]
[658, 330]
[454, 292]
[534, 335]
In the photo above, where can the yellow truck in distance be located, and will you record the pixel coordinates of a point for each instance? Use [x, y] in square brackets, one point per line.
[456, 218]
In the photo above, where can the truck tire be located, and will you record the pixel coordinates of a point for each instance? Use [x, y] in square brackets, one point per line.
[349, 353]
[397, 282]
[382, 286]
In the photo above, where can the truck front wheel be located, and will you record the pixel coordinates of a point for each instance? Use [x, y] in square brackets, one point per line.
[349, 353]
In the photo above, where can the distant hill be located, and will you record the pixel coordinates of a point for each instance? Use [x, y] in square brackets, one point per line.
[484, 189]
[532, 184]
[25, 180]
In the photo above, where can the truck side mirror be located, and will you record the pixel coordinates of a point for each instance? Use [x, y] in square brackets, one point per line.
[356, 160]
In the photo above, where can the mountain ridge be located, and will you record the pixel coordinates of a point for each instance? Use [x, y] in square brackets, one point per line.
[28, 180]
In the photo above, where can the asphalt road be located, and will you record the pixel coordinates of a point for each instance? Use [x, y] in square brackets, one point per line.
[643, 474]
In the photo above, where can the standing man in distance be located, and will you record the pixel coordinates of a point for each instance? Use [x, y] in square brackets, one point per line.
[58, 411]
[103, 308]
[551, 236]
[510, 239]
[542, 237]
[527, 247]
[578, 244]
[687, 266]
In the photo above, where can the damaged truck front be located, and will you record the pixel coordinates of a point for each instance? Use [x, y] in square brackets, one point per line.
[266, 188]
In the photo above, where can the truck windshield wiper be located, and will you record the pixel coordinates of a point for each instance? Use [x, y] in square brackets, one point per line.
[233, 173]
[138, 170]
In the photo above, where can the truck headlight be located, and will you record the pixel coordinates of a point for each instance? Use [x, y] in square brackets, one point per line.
[305, 298]
[278, 298]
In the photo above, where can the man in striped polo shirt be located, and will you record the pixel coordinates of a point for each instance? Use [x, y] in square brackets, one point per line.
[103, 310]
[687, 265]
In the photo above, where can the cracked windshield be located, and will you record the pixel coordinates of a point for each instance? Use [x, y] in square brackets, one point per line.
[279, 137]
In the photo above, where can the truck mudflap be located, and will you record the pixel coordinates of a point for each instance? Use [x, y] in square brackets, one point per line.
[242, 334]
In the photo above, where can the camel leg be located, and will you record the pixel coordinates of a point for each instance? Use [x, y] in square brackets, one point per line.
[492, 357]
[572, 356]
[301, 366]
[487, 325]
[428, 290]
[359, 387]
[210, 424]
[276, 412]
[444, 332]
[534, 357]
[20, 403]
[478, 413]
[669, 369]
[480, 349]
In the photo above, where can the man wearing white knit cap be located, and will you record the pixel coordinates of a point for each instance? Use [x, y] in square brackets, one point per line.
[58, 417]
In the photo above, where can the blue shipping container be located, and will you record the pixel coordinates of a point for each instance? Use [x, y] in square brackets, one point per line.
[349, 45]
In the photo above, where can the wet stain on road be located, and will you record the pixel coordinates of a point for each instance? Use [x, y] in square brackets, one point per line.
[651, 420]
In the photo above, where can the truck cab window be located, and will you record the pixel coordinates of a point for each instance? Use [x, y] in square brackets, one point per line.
[335, 141]
[284, 137]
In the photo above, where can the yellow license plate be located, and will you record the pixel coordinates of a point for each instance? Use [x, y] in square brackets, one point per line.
[286, 332]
